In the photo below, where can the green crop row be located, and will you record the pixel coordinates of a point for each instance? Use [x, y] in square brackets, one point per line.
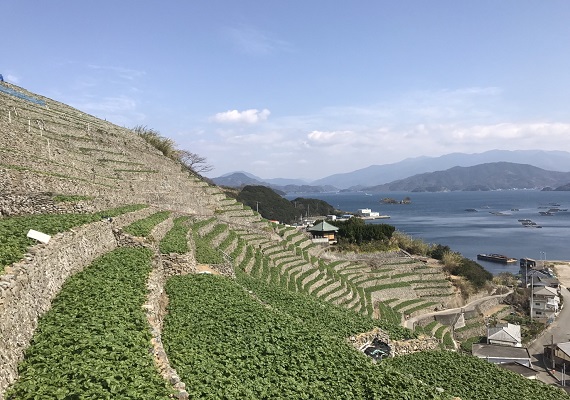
[468, 377]
[250, 351]
[94, 341]
[175, 240]
[205, 252]
[333, 319]
[13, 230]
[144, 226]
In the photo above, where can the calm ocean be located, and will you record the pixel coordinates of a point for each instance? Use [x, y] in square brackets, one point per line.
[442, 218]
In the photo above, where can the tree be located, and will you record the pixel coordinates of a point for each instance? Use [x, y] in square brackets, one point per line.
[194, 161]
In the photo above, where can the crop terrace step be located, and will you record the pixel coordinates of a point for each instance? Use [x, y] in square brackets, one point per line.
[339, 297]
[239, 257]
[323, 289]
[231, 246]
[343, 291]
[229, 207]
[289, 271]
[298, 269]
[283, 257]
[303, 244]
[296, 238]
[274, 250]
[249, 266]
[220, 238]
[236, 213]
[340, 266]
[288, 265]
[312, 279]
[355, 301]
[204, 230]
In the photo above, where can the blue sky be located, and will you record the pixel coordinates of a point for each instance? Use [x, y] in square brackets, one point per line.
[304, 89]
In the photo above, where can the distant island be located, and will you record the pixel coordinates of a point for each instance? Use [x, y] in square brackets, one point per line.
[389, 200]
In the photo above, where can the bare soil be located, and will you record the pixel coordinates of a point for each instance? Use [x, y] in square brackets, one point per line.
[562, 270]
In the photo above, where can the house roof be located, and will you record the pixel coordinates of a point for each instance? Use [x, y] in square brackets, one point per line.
[323, 227]
[565, 347]
[549, 281]
[509, 333]
[498, 351]
[546, 291]
[519, 368]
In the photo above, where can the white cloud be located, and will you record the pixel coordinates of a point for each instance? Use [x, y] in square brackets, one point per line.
[251, 116]
[331, 138]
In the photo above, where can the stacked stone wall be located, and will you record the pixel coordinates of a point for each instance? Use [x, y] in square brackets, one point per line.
[28, 287]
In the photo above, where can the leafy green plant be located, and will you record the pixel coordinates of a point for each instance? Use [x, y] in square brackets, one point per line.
[144, 226]
[251, 351]
[175, 240]
[93, 343]
[468, 377]
[13, 230]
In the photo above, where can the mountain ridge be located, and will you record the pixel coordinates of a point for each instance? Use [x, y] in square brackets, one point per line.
[482, 177]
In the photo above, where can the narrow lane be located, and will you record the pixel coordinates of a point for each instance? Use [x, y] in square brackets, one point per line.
[409, 323]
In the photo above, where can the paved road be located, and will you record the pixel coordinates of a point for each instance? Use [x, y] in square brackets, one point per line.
[409, 323]
[560, 331]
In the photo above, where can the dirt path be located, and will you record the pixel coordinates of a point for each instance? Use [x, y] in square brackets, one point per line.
[562, 271]
[205, 268]
[411, 322]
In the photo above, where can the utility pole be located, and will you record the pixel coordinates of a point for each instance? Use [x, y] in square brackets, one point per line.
[531, 294]
[552, 350]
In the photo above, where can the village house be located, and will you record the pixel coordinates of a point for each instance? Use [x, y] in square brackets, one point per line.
[505, 335]
[323, 232]
[545, 303]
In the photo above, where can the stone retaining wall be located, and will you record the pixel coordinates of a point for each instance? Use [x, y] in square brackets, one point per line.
[398, 347]
[28, 287]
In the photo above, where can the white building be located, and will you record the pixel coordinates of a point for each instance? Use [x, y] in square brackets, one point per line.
[505, 335]
[367, 212]
[545, 303]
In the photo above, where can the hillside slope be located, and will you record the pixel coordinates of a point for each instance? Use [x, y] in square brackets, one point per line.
[83, 315]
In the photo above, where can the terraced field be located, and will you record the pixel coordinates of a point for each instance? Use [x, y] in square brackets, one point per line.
[111, 307]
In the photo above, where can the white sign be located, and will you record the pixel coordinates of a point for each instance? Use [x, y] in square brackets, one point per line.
[40, 237]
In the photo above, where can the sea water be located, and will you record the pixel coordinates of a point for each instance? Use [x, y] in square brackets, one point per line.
[442, 218]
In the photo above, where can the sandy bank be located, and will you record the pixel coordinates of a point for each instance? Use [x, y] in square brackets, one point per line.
[562, 271]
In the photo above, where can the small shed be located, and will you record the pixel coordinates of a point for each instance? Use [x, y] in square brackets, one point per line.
[506, 335]
[561, 352]
[324, 231]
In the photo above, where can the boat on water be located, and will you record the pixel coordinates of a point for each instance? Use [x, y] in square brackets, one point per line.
[499, 258]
